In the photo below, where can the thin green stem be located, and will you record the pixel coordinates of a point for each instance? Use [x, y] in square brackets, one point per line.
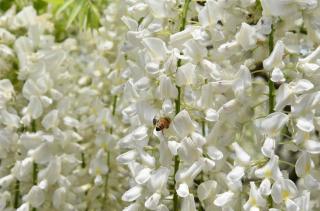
[106, 187]
[83, 160]
[175, 196]
[114, 106]
[16, 194]
[270, 83]
[35, 178]
[183, 21]
[34, 165]
[203, 127]
[183, 17]
[287, 163]
[35, 174]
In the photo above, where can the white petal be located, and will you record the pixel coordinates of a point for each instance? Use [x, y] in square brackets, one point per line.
[153, 201]
[305, 124]
[265, 187]
[162, 207]
[140, 133]
[159, 178]
[212, 69]
[214, 153]
[143, 176]
[186, 75]
[311, 183]
[188, 174]
[242, 155]
[41, 154]
[275, 58]
[212, 115]
[236, 173]
[312, 57]
[194, 51]
[35, 197]
[158, 8]
[301, 86]
[132, 194]
[52, 172]
[127, 157]
[58, 198]
[223, 199]
[183, 190]
[208, 164]
[173, 147]
[277, 75]
[246, 37]
[188, 203]
[9, 119]
[284, 96]
[182, 124]
[156, 48]
[268, 147]
[303, 164]
[5, 181]
[278, 8]
[132, 207]
[273, 123]
[167, 89]
[206, 188]
[291, 205]
[35, 107]
[50, 120]
[242, 82]
[312, 146]
[276, 193]
[24, 207]
[167, 106]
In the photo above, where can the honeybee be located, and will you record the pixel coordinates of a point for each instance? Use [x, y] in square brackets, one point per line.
[161, 123]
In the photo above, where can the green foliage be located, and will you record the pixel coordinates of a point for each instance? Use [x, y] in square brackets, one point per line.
[5, 5]
[55, 2]
[80, 13]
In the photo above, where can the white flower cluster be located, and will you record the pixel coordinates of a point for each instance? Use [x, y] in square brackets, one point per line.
[58, 120]
[169, 105]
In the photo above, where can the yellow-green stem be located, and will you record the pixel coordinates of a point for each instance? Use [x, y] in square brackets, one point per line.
[106, 187]
[270, 83]
[183, 20]
[34, 166]
[16, 194]
[34, 178]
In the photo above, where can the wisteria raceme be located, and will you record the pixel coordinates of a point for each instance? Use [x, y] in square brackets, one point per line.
[160, 105]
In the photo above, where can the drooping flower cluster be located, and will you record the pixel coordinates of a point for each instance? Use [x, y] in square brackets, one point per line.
[236, 81]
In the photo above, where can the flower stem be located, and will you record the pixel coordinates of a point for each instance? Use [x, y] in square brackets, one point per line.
[106, 187]
[114, 106]
[287, 163]
[16, 194]
[183, 20]
[34, 165]
[34, 178]
[175, 196]
[270, 83]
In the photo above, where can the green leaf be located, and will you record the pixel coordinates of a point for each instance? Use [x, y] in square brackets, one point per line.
[64, 7]
[56, 2]
[75, 11]
[94, 16]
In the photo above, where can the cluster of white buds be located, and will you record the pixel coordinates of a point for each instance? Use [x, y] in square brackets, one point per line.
[168, 105]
